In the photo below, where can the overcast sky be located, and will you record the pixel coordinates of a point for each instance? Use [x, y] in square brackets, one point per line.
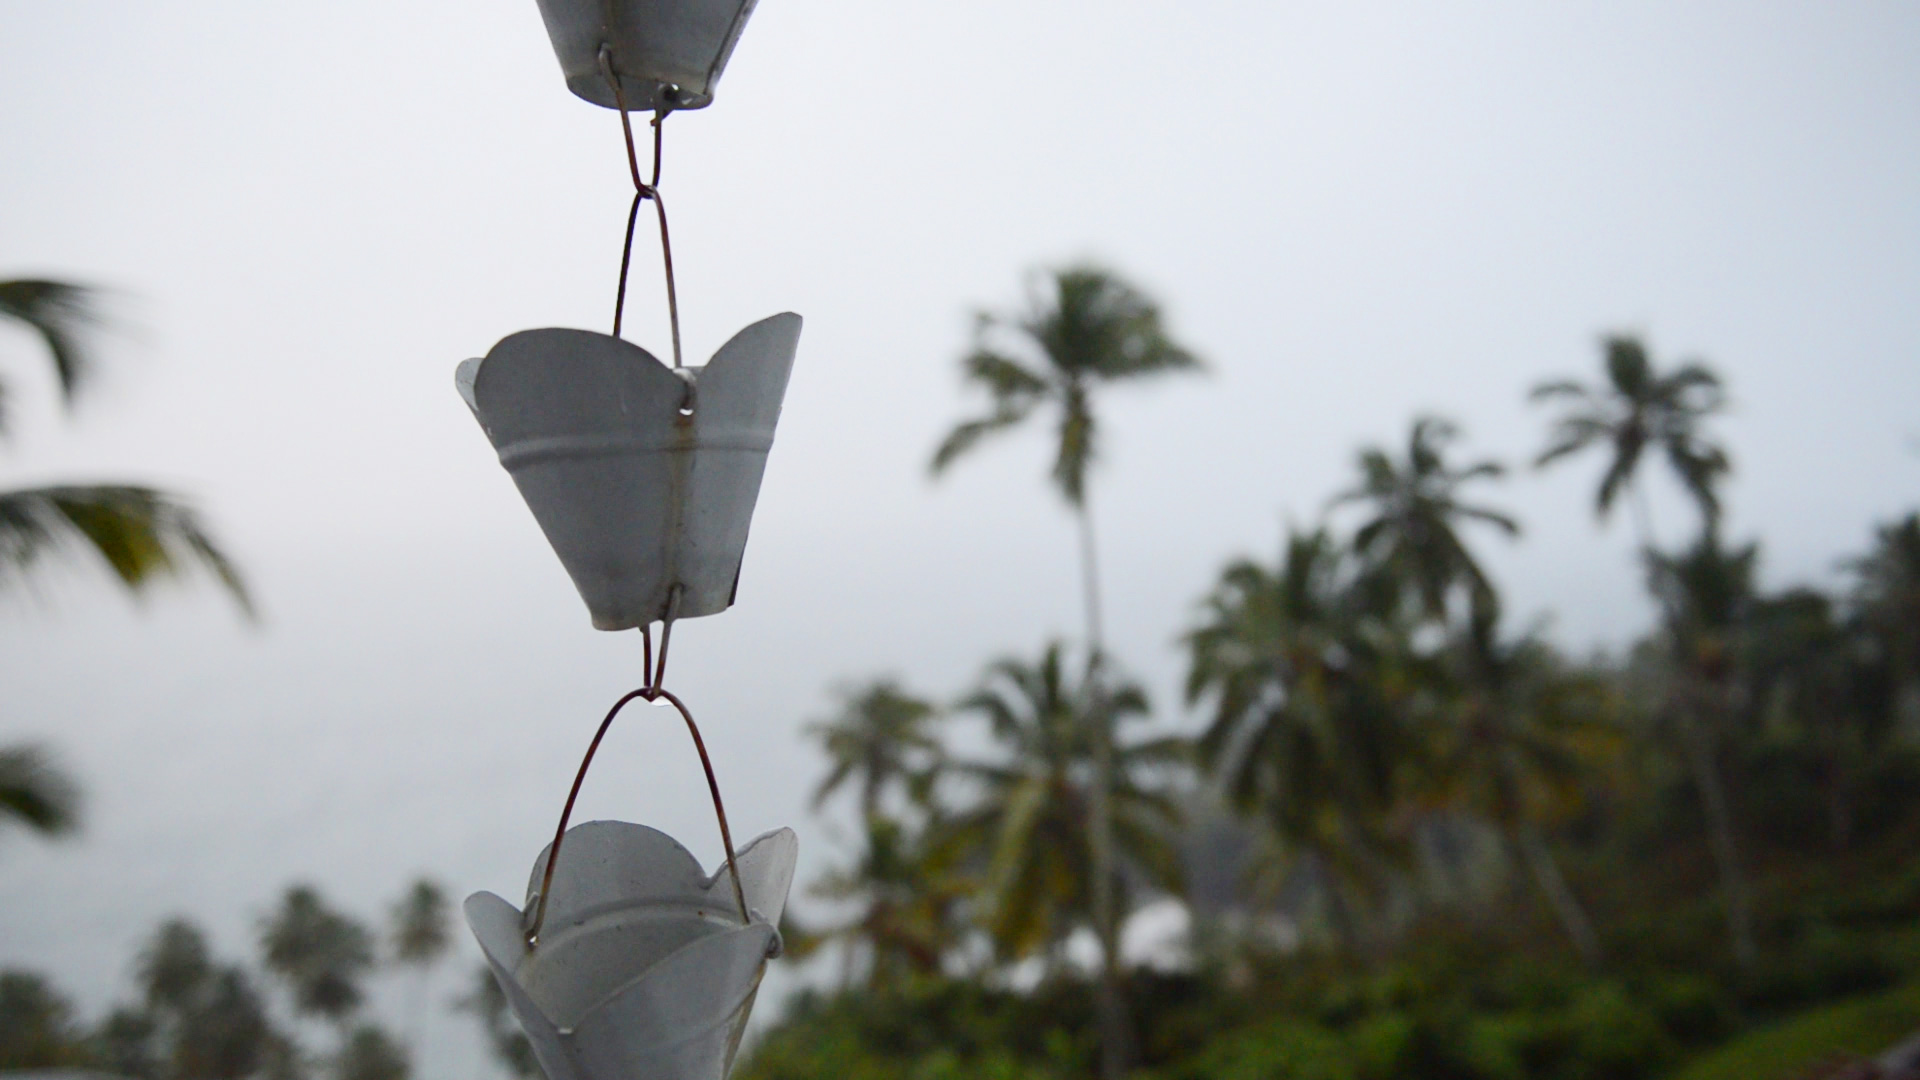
[1354, 212]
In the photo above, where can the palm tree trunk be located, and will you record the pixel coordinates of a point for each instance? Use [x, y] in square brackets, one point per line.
[1115, 1034]
[1532, 849]
[1720, 834]
[1706, 778]
[1642, 516]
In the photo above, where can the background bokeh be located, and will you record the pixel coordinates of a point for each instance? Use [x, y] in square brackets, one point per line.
[1353, 212]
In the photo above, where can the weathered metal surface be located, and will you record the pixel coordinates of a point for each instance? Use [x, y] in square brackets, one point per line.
[644, 478]
[665, 52]
[644, 967]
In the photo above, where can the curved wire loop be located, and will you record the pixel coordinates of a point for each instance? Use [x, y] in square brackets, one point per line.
[650, 694]
[642, 191]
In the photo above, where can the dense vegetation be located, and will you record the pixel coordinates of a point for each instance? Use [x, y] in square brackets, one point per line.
[1412, 840]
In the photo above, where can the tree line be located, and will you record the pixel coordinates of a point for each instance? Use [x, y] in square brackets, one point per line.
[1370, 720]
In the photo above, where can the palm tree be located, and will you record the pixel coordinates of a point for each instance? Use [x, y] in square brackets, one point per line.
[1886, 595]
[1831, 678]
[228, 1035]
[1414, 506]
[420, 938]
[176, 967]
[1518, 738]
[141, 533]
[878, 737]
[1093, 329]
[909, 893]
[200, 1019]
[1030, 827]
[1298, 667]
[369, 1053]
[1639, 409]
[1707, 593]
[321, 954]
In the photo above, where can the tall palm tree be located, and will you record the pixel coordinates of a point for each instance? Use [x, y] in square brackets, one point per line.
[1707, 593]
[879, 737]
[1030, 825]
[1640, 409]
[909, 892]
[201, 1019]
[1518, 739]
[420, 937]
[1091, 328]
[321, 953]
[1298, 667]
[1415, 509]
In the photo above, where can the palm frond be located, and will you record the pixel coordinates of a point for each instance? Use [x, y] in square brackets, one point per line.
[34, 792]
[141, 533]
[1628, 369]
[1554, 388]
[965, 435]
[65, 316]
[1502, 521]
[1570, 435]
[1004, 378]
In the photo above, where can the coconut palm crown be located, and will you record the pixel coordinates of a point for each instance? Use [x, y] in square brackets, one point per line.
[1095, 328]
[1414, 509]
[1640, 409]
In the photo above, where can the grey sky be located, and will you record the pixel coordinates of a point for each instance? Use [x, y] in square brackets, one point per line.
[1354, 212]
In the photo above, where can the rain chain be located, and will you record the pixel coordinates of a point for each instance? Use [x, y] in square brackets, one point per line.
[627, 958]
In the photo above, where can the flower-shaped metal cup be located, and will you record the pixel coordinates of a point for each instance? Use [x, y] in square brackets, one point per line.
[666, 53]
[643, 967]
[642, 476]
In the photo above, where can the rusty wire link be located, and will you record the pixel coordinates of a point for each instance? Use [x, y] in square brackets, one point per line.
[659, 674]
[643, 191]
[650, 694]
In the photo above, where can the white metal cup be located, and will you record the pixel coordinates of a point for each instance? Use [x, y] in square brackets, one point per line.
[643, 966]
[643, 477]
[666, 53]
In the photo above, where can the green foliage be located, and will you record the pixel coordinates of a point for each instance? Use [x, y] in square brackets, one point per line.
[1085, 327]
[1028, 828]
[1823, 964]
[1637, 410]
[34, 792]
[198, 1017]
[1374, 733]
[879, 737]
[419, 924]
[139, 533]
[36, 1023]
[1287, 1050]
[320, 953]
[1864, 1026]
[370, 1054]
[1411, 535]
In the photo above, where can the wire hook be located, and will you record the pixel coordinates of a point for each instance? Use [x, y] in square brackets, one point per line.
[643, 191]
